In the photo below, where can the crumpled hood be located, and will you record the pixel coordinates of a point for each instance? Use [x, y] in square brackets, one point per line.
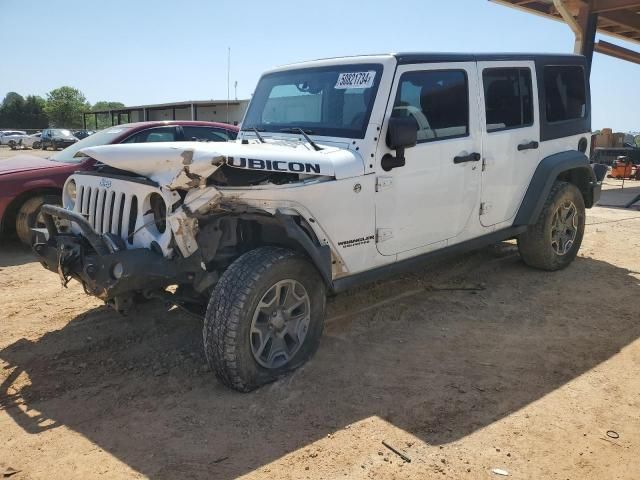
[23, 163]
[175, 164]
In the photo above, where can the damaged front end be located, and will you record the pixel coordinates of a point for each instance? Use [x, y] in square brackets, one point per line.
[158, 218]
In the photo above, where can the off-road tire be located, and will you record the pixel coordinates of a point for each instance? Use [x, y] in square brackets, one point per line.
[28, 214]
[230, 311]
[535, 245]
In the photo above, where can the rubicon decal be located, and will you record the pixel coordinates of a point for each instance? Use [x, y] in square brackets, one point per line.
[274, 165]
[354, 242]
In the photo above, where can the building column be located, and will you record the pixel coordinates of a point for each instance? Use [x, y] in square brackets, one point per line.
[588, 23]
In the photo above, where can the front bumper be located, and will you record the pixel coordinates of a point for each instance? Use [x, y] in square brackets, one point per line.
[105, 268]
[63, 143]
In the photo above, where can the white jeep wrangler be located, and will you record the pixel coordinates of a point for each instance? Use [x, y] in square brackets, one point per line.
[346, 171]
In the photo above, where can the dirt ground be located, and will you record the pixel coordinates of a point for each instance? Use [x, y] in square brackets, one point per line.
[524, 371]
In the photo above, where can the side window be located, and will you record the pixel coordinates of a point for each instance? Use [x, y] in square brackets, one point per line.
[565, 93]
[161, 134]
[204, 134]
[438, 100]
[507, 98]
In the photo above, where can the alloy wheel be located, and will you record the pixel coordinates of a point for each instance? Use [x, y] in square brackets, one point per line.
[564, 228]
[280, 323]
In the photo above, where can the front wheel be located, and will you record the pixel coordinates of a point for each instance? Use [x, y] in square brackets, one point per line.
[553, 242]
[265, 317]
[29, 216]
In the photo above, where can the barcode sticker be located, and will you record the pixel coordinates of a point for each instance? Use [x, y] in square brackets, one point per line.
[355, 80]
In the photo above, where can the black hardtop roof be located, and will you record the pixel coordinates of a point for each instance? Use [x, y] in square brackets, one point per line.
[427, 57]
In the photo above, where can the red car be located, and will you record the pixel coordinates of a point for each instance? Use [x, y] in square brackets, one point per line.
[27, 181]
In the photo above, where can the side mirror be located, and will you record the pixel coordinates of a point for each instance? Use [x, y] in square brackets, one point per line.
[402, 133]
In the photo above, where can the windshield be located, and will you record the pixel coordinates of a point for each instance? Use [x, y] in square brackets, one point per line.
[60, 133]
[331, 101]
[72, 154]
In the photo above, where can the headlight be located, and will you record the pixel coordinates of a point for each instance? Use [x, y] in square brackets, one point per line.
[70, 193]
[159, 210]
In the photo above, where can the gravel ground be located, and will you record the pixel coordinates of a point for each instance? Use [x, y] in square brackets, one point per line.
[525, 372]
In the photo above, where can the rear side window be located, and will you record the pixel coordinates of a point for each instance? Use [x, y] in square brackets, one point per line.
[162, 134]
[565, 93]
[205, 134]
[438, 100]
[508, 98]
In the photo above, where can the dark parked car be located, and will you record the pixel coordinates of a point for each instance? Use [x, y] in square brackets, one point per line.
[81, 134]
[27, 181]
[56, 138]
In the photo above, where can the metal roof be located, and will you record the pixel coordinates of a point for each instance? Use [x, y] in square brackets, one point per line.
[433, 57]
[619, 18]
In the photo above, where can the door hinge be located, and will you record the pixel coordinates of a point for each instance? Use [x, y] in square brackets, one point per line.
[383, 182]
[484, 208]
[484, 164]
[383, 234]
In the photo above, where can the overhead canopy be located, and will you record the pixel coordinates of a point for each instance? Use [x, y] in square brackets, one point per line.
[618, 18]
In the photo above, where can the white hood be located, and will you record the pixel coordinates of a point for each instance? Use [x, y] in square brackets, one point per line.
[174, 164]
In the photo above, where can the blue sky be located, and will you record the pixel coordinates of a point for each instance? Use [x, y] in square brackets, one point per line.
[155, 51]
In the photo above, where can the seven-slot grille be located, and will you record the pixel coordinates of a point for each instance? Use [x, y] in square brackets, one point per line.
[121, 207]
[108, 210]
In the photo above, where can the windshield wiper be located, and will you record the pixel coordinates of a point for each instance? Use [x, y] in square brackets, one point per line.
[304, 133]
[255, 130]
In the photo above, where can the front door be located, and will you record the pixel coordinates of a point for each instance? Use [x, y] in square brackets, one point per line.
[510, 136]
[436, 193]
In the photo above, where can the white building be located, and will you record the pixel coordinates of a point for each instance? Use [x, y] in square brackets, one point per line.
[230, 111]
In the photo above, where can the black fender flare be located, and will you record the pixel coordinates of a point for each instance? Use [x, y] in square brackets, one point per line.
[573, 164]
[320, 255]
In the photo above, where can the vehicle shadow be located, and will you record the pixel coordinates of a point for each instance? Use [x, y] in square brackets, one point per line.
[13, 253]
[439, 354]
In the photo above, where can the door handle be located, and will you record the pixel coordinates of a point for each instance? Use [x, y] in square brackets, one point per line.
[528, 146]
[472, 157]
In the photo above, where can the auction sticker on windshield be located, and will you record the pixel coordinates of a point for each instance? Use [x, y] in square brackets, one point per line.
[355, 80]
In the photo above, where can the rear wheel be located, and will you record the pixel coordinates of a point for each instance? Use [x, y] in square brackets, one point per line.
[553, 242]
[29, 216]
[265, 317]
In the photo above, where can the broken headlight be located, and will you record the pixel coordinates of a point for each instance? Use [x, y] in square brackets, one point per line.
[159, 209]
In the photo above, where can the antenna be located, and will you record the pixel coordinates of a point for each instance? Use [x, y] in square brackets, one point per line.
[228, 76]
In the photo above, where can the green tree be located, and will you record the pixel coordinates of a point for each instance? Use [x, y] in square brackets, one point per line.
[34, 114]
[104, 121]
[11, 111]
[65, 106]
[637, 140]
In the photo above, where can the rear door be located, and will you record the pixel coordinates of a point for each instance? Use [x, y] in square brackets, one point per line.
[510, 136]
[435, 194]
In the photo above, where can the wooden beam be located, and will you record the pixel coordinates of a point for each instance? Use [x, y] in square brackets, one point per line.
[616, 51]
[622, 19]
[601, 6]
